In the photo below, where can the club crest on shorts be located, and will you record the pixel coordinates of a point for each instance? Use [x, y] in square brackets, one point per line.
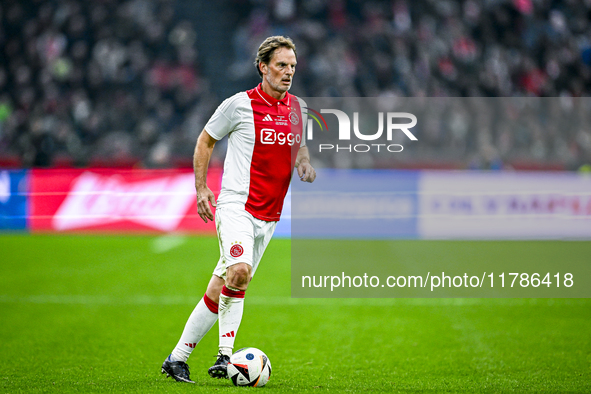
[294, 118]
[236, 250]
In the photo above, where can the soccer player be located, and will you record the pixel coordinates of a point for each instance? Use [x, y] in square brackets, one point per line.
[264, 126]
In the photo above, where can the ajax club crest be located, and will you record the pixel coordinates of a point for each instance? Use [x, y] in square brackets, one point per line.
[236, 250]
[294, 118]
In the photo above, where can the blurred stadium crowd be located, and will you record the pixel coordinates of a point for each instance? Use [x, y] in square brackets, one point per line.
[97, 83]
[108, 82]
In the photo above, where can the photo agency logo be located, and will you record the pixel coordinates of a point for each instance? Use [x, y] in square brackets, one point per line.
[371, 142]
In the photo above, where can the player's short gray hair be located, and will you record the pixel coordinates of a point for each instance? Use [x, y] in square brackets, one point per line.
[268, 47]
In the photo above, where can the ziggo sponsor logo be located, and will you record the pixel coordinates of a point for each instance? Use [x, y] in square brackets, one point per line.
[270, 136]
[345, 130]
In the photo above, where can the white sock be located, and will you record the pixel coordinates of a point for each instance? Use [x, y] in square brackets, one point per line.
[201, 320]
[230, 315]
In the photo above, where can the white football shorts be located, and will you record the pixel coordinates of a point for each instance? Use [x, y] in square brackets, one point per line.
[242, 238]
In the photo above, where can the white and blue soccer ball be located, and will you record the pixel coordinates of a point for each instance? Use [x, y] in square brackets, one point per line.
[249, 367]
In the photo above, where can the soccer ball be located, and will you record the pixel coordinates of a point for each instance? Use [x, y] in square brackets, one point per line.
[249, 367]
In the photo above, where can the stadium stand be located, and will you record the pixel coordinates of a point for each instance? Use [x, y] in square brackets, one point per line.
[129, 83]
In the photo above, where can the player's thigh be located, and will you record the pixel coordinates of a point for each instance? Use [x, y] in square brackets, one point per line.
[236, 239]
[263, 234]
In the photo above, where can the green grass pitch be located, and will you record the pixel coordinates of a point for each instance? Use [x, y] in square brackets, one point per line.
[100, 314]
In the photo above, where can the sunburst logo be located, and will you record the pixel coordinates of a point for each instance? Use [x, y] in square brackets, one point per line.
[317, 117]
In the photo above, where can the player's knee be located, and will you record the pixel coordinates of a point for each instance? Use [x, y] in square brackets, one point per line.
[238, 276]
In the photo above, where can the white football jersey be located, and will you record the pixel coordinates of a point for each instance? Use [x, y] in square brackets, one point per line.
[264, 136]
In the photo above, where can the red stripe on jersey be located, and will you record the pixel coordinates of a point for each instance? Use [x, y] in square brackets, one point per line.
[278, 133]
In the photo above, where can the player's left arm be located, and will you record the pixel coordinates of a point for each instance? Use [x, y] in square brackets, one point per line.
[306, 172]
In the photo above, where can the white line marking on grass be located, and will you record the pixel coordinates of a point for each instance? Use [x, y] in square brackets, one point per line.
[167, 242]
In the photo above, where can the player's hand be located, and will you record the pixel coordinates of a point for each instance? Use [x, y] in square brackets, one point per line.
[306, 172]
[204, 198]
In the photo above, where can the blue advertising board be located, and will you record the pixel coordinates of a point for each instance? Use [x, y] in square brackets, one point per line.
[13, 199]
[374, 204]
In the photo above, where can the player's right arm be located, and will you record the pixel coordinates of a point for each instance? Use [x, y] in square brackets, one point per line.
[219, 125]
[203, 150]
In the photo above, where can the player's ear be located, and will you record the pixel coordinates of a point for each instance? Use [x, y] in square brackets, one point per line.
[263, 67]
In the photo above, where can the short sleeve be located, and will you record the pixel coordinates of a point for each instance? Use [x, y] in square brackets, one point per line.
[304, 113]
[223, 120]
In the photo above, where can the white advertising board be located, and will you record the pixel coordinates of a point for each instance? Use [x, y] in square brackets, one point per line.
[504, 205]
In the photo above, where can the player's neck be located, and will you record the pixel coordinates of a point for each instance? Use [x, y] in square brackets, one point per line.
[272, 92]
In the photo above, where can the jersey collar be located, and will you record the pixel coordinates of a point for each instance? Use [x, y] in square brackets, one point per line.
[270, 101]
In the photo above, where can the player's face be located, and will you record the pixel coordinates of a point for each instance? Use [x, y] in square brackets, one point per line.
[280, 70]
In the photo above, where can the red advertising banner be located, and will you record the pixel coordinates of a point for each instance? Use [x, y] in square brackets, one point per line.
[107, 200]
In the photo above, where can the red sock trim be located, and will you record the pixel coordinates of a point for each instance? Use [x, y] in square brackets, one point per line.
[232, 293]
[212, 306]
